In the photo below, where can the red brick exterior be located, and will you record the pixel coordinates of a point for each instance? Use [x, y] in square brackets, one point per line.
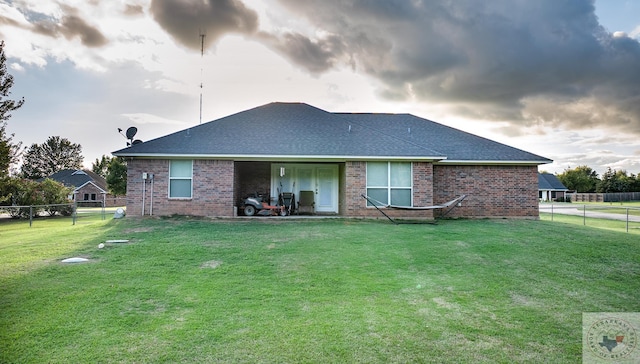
[89, 189]
[212, 189]
[492, 191]
[356, 185]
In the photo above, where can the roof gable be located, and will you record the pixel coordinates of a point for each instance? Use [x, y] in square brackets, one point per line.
[76, 178]
[547, 181]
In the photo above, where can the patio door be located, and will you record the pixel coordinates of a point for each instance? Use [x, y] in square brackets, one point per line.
[322, 179]
[326, 189]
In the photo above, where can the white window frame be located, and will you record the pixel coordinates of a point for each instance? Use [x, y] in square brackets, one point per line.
[181, 178]
[388, 186]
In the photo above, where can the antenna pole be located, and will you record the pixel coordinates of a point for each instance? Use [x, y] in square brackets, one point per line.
[202, 35]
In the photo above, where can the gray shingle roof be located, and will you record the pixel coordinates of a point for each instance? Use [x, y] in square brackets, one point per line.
[77, 178]
[297, 130]
[550, 182]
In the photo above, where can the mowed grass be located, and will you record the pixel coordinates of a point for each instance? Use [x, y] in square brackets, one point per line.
[323, 291]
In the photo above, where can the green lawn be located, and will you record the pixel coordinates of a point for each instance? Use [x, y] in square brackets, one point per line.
[324, 291]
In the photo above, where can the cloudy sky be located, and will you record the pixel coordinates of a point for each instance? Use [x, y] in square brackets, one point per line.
[559, 78]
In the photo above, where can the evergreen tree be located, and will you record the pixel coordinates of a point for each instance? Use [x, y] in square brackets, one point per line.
[9, 152]
[615, 181]
[101, 166]
[54, 155]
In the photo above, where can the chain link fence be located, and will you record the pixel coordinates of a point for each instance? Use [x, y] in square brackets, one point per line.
[620, 217]
[74, 212]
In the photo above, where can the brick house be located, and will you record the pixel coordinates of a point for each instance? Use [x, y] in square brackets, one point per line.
[87, 186]
[398, 159]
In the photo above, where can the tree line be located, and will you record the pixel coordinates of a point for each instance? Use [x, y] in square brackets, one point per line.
[583, 179]
[29, 184]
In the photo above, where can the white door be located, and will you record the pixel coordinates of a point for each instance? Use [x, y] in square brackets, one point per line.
[321, 179]
[326, 189]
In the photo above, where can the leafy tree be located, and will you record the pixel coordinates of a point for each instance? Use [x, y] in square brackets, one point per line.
[26, 192]
[22, 192]
[101, 166]
[581, 179]
[117, 177]
[55, 193]
[9, 152]
[54, 155]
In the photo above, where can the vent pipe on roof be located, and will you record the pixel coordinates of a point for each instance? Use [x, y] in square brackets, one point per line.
[349, 128]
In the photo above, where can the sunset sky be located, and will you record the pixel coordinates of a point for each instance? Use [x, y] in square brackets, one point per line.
[556, 78]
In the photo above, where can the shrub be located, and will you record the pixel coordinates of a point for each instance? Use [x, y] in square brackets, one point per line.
[26, 192]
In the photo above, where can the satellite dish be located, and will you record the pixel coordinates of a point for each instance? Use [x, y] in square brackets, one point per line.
[131, 132]
[137, 141]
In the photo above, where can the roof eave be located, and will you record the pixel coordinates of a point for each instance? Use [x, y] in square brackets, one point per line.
[495, 162]
[280, 158]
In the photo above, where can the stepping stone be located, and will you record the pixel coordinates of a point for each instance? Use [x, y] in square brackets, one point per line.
[75, 260]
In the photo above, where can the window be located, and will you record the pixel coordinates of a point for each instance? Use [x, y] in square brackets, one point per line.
[180, 177]
[390, 182]
[86, 197]
[93, 197]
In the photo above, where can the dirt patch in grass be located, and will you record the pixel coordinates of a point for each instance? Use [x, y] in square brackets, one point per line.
[142, 229]
[213, 264]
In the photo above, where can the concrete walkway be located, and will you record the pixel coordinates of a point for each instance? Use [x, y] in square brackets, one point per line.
[577, 210]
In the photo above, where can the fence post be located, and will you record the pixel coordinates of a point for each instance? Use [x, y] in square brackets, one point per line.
[30, 215]
[552, 211]
[584, 215]
[627, 219]
[74, 211]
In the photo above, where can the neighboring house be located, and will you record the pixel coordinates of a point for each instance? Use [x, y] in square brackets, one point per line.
[400, 159]
[87, 186]
[550, 188]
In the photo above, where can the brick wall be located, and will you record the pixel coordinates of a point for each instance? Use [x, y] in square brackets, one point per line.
[89, 189]
[356, 185]
[212, 189]
[492, 191]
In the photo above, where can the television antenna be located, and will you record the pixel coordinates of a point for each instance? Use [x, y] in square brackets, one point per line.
[202, 36]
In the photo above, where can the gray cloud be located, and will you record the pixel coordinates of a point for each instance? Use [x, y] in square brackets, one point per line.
[316, 56]
[522, 61]
[70, 25]
[184, 20]
[133, 10]
[73, 26]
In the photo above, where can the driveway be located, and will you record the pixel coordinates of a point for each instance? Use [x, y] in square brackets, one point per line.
[568, 209]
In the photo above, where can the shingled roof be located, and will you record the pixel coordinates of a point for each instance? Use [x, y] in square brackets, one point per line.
[77, 178]
[550, 182]
[281, 131]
